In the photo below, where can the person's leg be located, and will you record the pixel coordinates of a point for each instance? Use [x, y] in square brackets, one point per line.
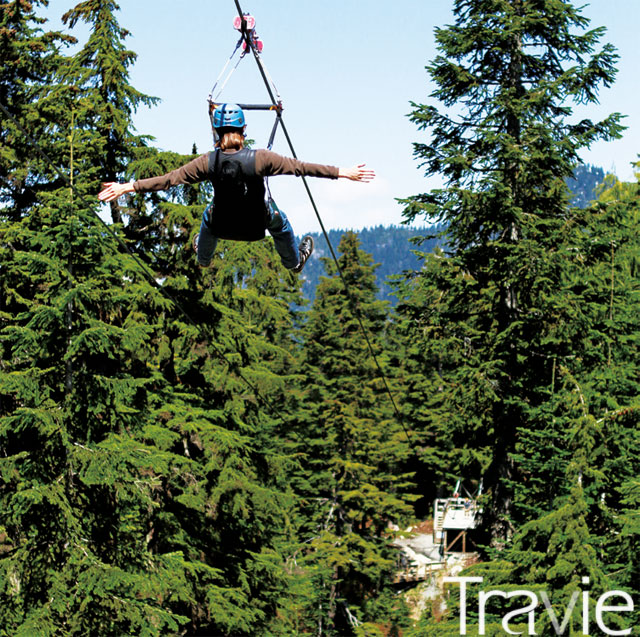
[205, 242]
[283, 238]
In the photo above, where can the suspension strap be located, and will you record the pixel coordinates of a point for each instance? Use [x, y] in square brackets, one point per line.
[224, 68]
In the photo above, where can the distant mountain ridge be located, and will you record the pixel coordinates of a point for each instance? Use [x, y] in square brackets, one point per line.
[392, 248]
[584, 184]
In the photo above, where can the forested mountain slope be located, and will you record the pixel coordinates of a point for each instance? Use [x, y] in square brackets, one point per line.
[391, 247]
[394, 247]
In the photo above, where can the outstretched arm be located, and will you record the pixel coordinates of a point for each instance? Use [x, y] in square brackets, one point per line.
[357, 173]
[112, 190]
[269, 163]
[191, 173]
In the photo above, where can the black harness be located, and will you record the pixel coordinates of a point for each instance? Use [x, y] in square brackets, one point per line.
[239, 208]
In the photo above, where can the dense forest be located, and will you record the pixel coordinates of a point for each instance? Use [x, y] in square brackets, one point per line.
[193, 451]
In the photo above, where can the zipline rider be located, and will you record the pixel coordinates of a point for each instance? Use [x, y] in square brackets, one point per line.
[240, 209]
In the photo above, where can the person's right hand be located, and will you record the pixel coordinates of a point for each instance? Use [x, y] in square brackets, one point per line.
[112, 190]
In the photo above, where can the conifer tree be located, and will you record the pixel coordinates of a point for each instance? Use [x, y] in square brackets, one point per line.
[142, 486]
[225, 384]
[101, 68]
[557, 551]
[225, 351]
[581, 461]
[351, 489]
[508, 75]
[30, 91]
[76, 496]
[628, 524]
[600, 294]
[76, 490]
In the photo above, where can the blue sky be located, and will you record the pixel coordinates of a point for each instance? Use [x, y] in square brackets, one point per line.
[346, 71]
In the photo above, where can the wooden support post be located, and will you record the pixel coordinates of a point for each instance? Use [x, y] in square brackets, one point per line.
[455, 539]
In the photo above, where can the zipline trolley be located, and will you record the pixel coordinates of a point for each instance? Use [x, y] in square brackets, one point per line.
[248, 42]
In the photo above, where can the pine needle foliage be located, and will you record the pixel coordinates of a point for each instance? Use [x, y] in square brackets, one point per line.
[352, 447]
[143, 487]
[507, 78]
[101, 68]
[29, 89]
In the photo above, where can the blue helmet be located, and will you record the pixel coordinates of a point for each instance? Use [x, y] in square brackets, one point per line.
[228, 116]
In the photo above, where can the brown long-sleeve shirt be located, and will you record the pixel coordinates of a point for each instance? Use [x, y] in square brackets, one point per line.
[267, 164]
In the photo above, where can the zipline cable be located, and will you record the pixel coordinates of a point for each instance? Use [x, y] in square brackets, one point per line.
[277, 105]
[143, 268]
[352, 303]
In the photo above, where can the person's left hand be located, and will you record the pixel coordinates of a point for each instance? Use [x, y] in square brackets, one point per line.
[357, 173]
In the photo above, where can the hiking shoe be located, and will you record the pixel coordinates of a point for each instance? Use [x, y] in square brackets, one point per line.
[304, 252]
